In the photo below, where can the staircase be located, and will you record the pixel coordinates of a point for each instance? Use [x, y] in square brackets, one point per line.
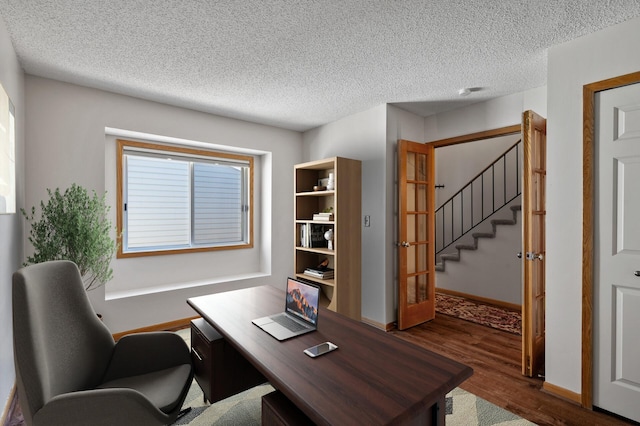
[476, 236]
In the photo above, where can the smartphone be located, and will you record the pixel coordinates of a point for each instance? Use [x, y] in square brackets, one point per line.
[320, 349]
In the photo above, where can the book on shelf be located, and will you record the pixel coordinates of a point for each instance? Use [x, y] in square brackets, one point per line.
[323, 216]
[312, 235]
[319, 273]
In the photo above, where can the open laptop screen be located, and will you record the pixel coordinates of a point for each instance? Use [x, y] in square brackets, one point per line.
[302, 300]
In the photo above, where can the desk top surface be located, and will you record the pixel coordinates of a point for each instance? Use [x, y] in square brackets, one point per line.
[373, 378]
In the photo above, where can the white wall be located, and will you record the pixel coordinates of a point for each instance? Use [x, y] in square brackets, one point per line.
[370, 136]
[400, 125]
[66, 143]
[11, 230]
[457, 164]
[493, 271]
[492, 114]
[606, 54]
[361, 137]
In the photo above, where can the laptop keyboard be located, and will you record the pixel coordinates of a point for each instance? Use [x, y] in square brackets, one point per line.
[288, 323]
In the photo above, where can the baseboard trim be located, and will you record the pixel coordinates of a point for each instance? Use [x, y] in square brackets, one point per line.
[379, 325]
[500, 303]
[181, 323]
[563, 393]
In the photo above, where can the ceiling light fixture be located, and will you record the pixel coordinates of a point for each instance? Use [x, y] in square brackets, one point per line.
[465, 91]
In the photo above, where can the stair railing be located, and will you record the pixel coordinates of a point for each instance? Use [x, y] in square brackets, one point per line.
[493, 188]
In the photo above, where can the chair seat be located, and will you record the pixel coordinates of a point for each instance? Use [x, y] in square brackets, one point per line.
[163, 388]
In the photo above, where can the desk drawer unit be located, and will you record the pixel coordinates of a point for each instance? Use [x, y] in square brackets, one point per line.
[220, 370]
[277, 410]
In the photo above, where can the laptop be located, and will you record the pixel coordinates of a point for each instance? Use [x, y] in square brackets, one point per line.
[300, 314]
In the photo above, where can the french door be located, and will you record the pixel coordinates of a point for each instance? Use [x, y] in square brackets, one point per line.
[534, 136]
[416, 251]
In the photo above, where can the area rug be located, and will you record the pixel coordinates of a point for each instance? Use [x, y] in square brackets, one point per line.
[244, 409]
[488, 315]
[462, 409]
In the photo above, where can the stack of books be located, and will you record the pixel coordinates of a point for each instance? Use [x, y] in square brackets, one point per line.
[323, 216]
[312, 235]
[323, 274]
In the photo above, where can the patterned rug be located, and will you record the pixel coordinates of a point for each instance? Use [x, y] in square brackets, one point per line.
[244, 409]
[462, 409]
[488, 315]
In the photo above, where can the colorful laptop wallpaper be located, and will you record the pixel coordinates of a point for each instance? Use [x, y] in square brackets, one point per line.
[302, 300]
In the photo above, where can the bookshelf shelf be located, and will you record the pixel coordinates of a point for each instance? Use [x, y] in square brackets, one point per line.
[317, 250]
[341, 293]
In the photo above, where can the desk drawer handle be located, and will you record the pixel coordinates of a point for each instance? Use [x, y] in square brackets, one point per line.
[195, 352]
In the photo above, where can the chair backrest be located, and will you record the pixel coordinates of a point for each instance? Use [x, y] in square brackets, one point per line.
[60, 344]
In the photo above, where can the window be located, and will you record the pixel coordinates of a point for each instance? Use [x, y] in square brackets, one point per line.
[176, 199]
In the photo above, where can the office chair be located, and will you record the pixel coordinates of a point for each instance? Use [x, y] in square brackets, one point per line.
[69, 370]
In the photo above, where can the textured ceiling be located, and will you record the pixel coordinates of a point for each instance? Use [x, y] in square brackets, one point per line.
[300, 64]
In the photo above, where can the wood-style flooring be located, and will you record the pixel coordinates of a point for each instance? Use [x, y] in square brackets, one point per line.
[495, 358]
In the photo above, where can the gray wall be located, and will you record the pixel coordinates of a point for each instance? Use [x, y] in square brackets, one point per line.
[11, 231]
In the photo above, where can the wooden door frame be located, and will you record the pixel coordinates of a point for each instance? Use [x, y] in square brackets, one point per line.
[472, 137]
[589, 92]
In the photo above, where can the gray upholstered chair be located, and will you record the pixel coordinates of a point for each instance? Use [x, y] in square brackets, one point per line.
[70, 371]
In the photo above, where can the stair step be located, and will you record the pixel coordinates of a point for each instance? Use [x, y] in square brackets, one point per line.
[450, 256]
[466, 247]
[503, 222]
[440, 267]
[483, 235]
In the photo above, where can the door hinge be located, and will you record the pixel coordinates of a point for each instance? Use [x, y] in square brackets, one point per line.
[528, 365]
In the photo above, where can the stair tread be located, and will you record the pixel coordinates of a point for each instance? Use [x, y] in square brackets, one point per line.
[466, 247]
[450, 256]
[503, 222]
[483, 235]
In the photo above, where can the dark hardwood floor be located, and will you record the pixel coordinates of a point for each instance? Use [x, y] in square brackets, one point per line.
[495, 358]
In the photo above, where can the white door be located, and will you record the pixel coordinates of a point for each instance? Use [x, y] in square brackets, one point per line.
[617, 252]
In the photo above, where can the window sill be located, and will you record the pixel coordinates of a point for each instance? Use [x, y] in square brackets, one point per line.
[124, 294]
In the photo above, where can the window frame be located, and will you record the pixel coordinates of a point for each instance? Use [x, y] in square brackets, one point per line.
[122, 145]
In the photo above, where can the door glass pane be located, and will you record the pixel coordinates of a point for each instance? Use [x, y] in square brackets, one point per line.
[417, 289]
[411, 166]
[421, 261]
[422, 288]
[421, 167]
[422, 234]
[411, 228]
[411, 292]
[421, 196]
[411, 197]
[411, 259]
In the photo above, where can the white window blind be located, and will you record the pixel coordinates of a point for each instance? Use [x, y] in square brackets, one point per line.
[174, 201]
[158, 206]
[217, 201]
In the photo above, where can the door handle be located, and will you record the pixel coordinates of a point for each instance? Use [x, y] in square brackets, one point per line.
[534, 256]
[637, 273]
[404, 244]
[519, 255]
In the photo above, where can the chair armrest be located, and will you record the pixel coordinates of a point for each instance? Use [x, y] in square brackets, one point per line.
[100, 407]
[143, 353]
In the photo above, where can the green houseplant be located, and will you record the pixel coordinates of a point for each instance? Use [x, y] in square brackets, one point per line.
[74, 226]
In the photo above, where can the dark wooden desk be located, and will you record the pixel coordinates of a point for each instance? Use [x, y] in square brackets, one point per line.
[373, 378]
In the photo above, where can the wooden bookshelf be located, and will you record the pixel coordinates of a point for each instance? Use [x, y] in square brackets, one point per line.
[342, 293]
